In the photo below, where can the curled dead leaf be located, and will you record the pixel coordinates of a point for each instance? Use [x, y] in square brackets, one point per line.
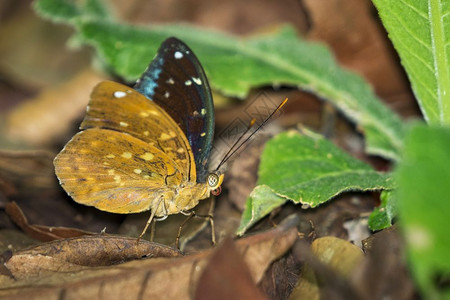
[92, 251]
[41, 232]
[169, 278]
[226, 276]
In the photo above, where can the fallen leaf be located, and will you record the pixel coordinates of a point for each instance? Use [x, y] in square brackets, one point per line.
[24, 172]
[14, 240]
[33, 51]
[241, 176]
[360, 43]
[100, 250]
[50, 115]
[226, 276]
[280, 279]
[169, 278]
[383, 273]
[41, 232]
[332, 259]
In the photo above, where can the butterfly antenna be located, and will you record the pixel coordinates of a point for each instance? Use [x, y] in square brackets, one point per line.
[230, 153]
[250, 125]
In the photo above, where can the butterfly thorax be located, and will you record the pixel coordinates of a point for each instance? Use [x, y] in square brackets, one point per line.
[186, 196]
[182, 198]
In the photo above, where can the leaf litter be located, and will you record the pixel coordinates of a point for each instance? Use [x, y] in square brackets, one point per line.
[66, 266]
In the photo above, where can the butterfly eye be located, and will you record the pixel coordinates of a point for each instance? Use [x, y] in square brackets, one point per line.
[213, 179]
[214, 182]
[217, 191]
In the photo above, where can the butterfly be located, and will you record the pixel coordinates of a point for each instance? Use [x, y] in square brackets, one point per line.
[147, 147]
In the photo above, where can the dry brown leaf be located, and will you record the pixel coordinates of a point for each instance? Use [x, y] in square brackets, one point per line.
[340, 257]
[351, 29]
[26, 171]
[167, 278]
[280, 279]
[383, 274]
[48, 116]
[243, 165]
[41, 232]
[14, 240]
[92, 251]
[226, 276]
[241, 176]
[232, 16]
[33, 51]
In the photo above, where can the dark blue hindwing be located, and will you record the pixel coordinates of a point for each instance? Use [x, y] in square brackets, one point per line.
[176, 81]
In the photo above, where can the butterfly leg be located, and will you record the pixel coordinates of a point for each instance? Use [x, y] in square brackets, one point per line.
[152, 215]
[152, 231]
[191, 215]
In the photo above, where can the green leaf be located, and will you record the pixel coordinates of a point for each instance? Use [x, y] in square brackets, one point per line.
[69, 11]
[60, 11]
[311, 170]
[97, 9]
[423, 206]
[420, 32]
[306, 169]
[234, 66]
[259, 204]
[382, 216]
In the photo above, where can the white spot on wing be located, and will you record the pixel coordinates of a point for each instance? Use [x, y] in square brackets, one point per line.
[188, 82]
[178, 55]
[164, 137]
[126, 155]
[167, 95]
[203, 112]
[170, 81]
[119, 94]
[198, 81]
[147, 156]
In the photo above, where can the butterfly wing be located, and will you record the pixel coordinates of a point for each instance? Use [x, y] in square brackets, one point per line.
[176, 81]
[114, 171]
[130, 153]
[120, 108]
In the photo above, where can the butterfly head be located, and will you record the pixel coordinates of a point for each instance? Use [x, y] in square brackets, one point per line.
[214, 182]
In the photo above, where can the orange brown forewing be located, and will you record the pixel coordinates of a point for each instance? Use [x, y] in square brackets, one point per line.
[129, 153]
